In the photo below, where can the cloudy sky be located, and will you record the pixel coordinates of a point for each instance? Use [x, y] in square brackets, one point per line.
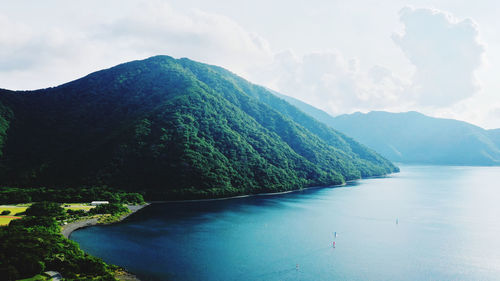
[438, 57]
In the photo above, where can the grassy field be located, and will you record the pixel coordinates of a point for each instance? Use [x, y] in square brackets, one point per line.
[14, 209]
[20, 208]
[4, 220]
[77, 206]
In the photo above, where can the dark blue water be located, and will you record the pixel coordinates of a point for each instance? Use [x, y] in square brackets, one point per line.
[449, 229]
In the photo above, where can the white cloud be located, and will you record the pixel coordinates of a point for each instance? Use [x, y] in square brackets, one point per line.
[34, 56]
[332, 82]
[159, 29]
[446, 53]
[20, 46]
[494, 114]
[443, 51]
[490, 117]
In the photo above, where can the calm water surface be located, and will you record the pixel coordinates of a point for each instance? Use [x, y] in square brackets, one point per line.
[449, 229]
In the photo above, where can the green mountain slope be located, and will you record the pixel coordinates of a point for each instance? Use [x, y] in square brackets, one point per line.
[175, 129]
[5, 117]
[412, 137]
[310, 110]
[495, 136]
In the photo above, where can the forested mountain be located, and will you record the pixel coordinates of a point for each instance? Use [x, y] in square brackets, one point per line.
[312, 111]
[412, 137]
[174, 129]
[495, 136]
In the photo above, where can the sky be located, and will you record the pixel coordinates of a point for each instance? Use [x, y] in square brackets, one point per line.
[438, 57]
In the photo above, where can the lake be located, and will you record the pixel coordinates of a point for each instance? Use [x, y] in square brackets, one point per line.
[425, 223]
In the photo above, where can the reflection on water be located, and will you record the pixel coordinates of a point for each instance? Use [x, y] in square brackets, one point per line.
[447, 229]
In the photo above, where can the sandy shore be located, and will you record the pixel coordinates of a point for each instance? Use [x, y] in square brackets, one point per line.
[70, 227]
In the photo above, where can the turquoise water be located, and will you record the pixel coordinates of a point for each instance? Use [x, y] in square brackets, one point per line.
[448, 229]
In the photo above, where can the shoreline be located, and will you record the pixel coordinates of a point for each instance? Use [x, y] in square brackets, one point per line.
[266, 193]
[128, 276]
[66, 230]
[71, 227]
[248, 195]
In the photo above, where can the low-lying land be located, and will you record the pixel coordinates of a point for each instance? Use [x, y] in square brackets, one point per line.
[33, 244]
[12, 212]
[68, 228]
[14, 209]
[5, 220]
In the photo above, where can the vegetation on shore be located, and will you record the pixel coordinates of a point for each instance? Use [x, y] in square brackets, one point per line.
[110, 212]
[34, 244]
[13, 195]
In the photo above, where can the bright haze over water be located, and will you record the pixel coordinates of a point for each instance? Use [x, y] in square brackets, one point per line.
[447, 229]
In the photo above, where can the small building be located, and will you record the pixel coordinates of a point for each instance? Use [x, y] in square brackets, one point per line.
[54, 275]
[95, 203]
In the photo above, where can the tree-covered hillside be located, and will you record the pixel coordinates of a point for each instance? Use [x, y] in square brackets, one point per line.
[5, 116]
[495, 136]
[412, 137]
[174, 129]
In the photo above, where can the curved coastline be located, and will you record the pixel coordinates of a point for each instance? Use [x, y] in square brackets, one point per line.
[268, 193]
[127, 276]
[70, 227]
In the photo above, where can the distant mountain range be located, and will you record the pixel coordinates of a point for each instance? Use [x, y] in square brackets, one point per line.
[495, 136]
[172, 129]
[412, 137]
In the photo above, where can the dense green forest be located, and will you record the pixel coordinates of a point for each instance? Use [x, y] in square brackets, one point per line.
[13, 195]
[172, 129]
[34, 244]
[411, 137]
[5, 116]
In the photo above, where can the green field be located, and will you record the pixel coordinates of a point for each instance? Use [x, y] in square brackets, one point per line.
[4, 220]
[77, 206]
[20, 208]
[14, 209]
